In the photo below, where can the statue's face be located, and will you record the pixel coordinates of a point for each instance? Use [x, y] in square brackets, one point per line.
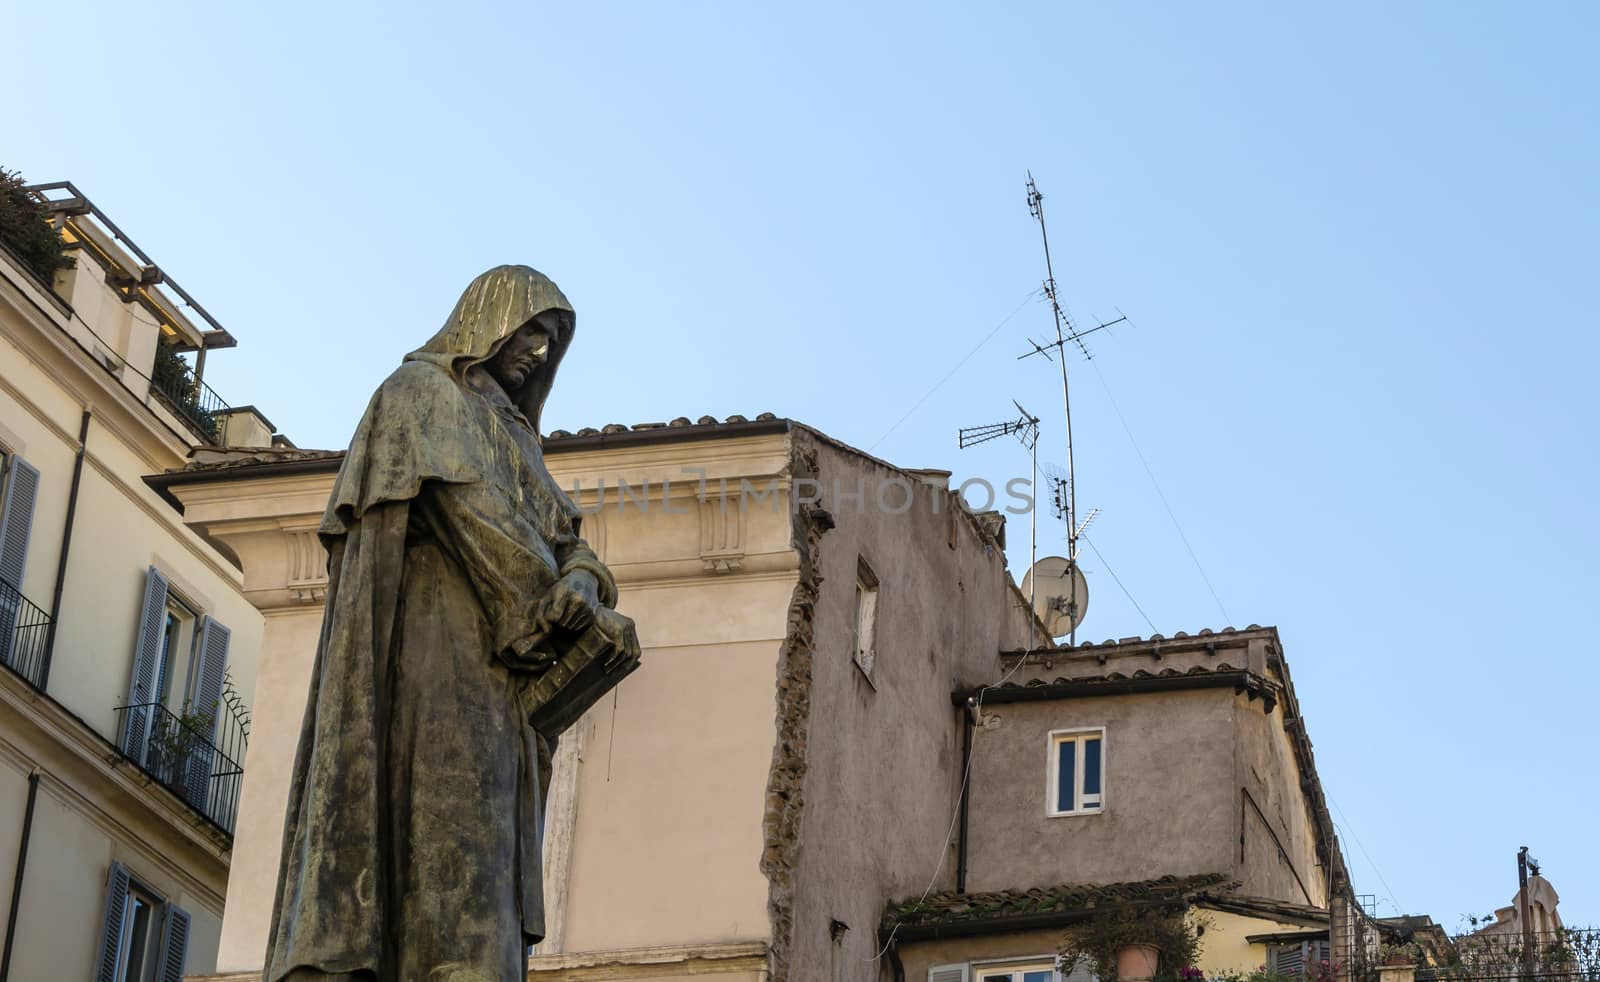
[522, 352]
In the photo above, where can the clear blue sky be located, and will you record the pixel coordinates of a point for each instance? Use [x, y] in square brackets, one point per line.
[1358, 241]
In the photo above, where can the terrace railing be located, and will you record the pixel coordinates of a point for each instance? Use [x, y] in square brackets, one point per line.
[1567, 955]
[175, 382]
[24, 629]
[196, 756]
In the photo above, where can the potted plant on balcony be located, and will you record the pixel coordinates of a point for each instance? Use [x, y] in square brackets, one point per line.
[1406, 953]
[1136, 943]
[173, 745]
[26, 230]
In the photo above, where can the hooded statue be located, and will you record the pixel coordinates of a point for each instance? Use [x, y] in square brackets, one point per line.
[411, 842]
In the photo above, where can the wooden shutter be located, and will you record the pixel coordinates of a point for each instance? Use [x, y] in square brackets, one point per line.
[146, 656]
[105, 969]
[1081, 971]
[174, 945]
[1287, 959]
[16, 519]
[947, 973]
[209, 670]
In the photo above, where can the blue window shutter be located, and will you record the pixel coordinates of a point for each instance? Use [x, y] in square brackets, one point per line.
[174, 945]
[209, 672]
[105, 968]
[146, 656]
[16, 519]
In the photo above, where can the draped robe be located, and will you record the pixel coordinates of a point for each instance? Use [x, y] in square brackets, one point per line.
[411, 843]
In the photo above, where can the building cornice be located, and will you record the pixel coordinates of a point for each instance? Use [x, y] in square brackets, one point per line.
[41, 323]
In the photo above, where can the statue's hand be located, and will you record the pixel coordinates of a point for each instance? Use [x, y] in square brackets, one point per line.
[619, 630]
[573, 600]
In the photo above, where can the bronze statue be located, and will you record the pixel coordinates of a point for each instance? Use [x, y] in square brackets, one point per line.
[466, 624]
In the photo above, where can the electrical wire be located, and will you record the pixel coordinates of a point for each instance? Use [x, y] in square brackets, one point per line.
[947, 376]
[966, 774]
[1093, 548]
[1160, 494]
[1357, 838]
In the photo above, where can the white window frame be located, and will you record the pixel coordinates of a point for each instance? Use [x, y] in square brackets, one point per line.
[864, 637]
[176, 690]
[1075, 737]
[1043, 963]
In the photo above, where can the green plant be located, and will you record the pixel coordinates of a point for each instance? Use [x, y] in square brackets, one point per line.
[1400, 953]
[1260, 974]
[175, 740]
[1164, 928]
[26, 229]
[171, 376]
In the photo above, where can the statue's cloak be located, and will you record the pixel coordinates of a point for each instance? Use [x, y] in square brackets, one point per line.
[417, 788]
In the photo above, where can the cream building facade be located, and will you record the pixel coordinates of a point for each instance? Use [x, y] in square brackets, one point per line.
[128, 647]
[813, 776]
[778, 768]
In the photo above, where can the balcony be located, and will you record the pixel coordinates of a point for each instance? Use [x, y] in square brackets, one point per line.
[194, 401]
[24, 631]
[193, 756]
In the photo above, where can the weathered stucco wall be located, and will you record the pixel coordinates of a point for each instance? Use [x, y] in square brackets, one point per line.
[1223, 947]
[1167, 779]
[882, 758]
[1279, 834]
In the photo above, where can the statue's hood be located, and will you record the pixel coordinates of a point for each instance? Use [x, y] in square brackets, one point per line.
[493, 307]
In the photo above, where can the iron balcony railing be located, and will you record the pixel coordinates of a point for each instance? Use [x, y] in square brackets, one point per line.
[196, 756]
[1566, 955]
[24, 630]
[175, 382]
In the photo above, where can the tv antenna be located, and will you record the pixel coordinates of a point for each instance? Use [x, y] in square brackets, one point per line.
[1026, 429]
[1066, 492]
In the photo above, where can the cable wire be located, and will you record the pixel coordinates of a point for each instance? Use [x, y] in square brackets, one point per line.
[947, 376]
[1392, 896]
[966, 774]
[1160, 494]
[1093, 548]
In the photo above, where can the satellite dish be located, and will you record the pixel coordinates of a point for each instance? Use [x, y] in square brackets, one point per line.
[1055, 582]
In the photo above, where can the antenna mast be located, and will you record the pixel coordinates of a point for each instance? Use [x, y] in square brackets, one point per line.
[1066, 332]
[1026, 429]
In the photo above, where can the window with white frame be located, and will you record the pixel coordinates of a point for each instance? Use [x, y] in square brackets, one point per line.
[866, 634]
[1041, 968]
[1043, 971]
[1076, 772]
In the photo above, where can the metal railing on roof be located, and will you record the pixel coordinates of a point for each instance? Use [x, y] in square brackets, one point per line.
[176, 383]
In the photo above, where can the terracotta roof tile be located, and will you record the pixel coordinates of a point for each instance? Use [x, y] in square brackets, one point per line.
[951, 907]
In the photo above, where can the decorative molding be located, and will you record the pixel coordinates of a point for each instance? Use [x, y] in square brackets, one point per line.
[308, 564]
[721, 534]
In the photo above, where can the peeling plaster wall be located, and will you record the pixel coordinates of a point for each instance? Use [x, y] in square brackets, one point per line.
[867, 772]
